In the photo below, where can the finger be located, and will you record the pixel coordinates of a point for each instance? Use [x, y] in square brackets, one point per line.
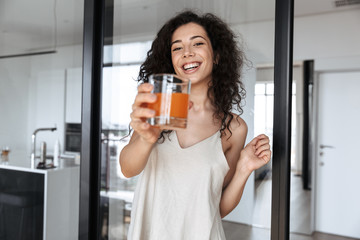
[141, 127]
[145, 87]
[264, 141]
[143, 98]
[137, 124]
[253, 141]
[262, 136]
[265, 155]
[142, 113]
[145, 125]
[146, 131]
[262, 148]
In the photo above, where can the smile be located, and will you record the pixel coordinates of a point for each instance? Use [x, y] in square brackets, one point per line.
[190, 66]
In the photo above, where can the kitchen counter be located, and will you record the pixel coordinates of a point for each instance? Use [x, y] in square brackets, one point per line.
[59, 189]
[25, 168]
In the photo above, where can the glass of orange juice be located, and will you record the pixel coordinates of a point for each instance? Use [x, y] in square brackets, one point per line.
[172, 103]
[5, 155]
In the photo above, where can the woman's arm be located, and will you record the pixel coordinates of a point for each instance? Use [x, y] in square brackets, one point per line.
[134, 155]
[242, 162]
[232, 194]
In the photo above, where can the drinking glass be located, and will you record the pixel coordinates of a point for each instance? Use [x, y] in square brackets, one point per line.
[172, 103]
[5, 155]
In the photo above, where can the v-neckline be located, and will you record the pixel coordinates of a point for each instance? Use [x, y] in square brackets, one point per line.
[195, 144]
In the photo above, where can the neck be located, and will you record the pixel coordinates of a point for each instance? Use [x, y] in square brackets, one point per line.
[199, 97]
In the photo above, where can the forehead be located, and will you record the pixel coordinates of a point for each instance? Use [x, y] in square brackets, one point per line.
[189, 30]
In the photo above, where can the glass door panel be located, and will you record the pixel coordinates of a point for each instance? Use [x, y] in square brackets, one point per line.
[314, 208]
[40, 105]
[135, 24]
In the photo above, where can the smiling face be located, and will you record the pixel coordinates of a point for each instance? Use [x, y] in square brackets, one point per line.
[192, 54]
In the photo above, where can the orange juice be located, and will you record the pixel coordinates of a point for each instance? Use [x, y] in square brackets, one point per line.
[172, 105]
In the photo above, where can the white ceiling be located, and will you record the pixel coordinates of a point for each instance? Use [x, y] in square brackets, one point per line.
[38, 25]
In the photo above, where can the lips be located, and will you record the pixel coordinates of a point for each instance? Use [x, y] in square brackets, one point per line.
[191, 66]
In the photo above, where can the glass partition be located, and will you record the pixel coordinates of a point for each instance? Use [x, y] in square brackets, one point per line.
[40, 105]
[326, 56]
[135, 25]
[40, 80]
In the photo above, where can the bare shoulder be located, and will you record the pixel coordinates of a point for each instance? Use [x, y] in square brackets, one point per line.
[238, 128]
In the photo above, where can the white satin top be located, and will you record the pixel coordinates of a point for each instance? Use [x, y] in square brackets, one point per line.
[178, 194]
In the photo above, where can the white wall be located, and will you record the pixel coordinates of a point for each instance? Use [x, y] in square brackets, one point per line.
[327, 35]
[335, 34]
[31, 96]
[14, 94]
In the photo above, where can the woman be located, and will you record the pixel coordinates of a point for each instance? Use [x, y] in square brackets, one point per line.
[191, 178]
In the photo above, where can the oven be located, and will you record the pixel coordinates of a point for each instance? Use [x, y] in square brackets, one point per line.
[73, 137]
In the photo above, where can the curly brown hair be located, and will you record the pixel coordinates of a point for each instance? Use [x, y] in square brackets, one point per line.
[226, 91]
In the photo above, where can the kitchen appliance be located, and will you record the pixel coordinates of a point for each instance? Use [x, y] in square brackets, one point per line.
[72, 137]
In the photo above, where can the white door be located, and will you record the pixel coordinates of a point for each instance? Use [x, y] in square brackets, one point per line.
[338, 154]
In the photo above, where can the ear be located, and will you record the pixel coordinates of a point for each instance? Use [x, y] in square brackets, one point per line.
[216, 59]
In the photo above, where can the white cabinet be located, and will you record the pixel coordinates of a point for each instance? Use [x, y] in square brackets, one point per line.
[73, 95]
[61, 217]
[59, 189]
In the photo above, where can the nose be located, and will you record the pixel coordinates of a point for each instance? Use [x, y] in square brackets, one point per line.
[188, 53]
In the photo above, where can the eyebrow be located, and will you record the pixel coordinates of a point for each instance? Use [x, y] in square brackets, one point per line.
[193, 37]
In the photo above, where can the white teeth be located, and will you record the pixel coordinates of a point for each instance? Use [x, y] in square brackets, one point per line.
[191, 66]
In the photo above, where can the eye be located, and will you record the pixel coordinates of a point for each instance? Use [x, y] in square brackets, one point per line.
[198, 44]
[176, 49]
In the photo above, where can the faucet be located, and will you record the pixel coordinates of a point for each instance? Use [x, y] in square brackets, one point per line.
[33, 143]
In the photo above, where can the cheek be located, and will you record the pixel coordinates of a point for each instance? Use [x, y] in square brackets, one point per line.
[211, 55]
[208, 55]
[175, 60]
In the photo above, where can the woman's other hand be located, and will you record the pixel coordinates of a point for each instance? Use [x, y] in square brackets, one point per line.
[255, 154]
[140, 113]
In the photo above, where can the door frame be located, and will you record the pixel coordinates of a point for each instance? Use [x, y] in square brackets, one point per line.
[94, 22]
[283, 64]
[89, 226]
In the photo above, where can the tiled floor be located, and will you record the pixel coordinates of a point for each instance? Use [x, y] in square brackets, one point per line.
[300, 205]
[235, 231]
[300, 216]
